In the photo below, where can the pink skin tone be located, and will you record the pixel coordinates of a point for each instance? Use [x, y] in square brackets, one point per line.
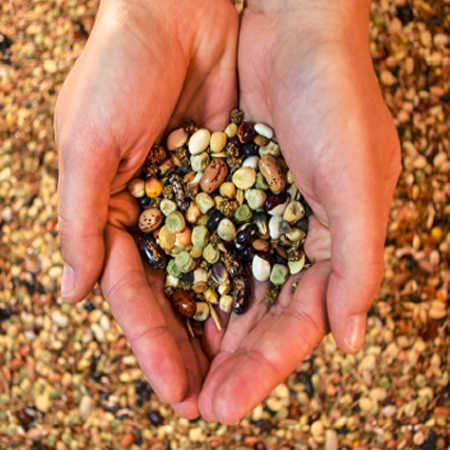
[306, 71]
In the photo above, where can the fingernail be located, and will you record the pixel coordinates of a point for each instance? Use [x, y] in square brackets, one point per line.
[356, 331]
[68, 281]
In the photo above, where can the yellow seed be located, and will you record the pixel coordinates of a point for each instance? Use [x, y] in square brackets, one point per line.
[153, 188]
[218, 141]
[436, 234]
[166, 239]
[228, 190]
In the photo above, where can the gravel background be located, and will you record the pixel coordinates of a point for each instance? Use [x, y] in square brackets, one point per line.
[67, 377]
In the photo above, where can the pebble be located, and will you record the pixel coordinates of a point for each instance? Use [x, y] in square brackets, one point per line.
[199, 141]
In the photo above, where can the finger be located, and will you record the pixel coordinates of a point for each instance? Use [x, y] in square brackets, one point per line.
[357, 218]
[289, 335]
[193, 363]
[137, 311]
[84, 179]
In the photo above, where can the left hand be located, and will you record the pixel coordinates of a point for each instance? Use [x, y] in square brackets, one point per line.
[307, 72]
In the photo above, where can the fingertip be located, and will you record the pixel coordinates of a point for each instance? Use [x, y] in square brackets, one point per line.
[173, 393]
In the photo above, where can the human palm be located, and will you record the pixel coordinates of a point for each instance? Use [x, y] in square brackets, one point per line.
[319, 92]
[138, 76]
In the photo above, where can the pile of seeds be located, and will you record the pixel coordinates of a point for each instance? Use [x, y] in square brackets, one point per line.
[217, 207]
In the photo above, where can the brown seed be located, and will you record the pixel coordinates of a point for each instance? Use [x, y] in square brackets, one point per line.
[261, 245]
[183, 303]
[150, 220]
[214, 175]
[127, 440]
[153, 187]
[273, 173]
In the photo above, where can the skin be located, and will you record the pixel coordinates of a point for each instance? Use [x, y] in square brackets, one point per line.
[304, 69]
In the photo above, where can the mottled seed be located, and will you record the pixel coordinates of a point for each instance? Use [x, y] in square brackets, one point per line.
[244, 178]
[153, 187]
[241, 294]
[175, 222]
[176, 139]
[276, 204]
[219, 273]
[150, 220]
[214, 175]
[183, 303]
[273, 173]
[136, 188]
[152, 253]
[199, 141]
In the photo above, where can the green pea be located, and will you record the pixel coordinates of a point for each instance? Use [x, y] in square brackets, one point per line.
[185, 262]
[243, 214]
[175, 222]
[167, 206]
[173, 269]
[200, 236]
[211, 254]
[279, 274]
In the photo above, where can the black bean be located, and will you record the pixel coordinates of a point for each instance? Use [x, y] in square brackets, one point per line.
[215, 216]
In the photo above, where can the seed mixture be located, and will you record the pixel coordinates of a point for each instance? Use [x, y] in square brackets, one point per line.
[217, 208]
[68, 379]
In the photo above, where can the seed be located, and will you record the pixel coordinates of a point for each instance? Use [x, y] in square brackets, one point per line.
[260, 268]
[153, 187]
[294, 212]
[201, 311]
[246, 234]
[263, 130]
[200, 162]
[171, 281]
[279, 274]
[250, 149]
[150, 220]
[261, 141]
[226, 303]
[261, 245]
[200, 236]
[214, 175]
[175, 222]
[199, 141]
[173, 269]
[166, 239]
[193, 213]
[255, 198]
[241, 294]
[166, 166]
[177, 139]
[231, 130]
[219, 273]
[211, 296]
[228, 189]
[244, 178]
[196, 252]
[270, 149]
[203, 219]
[211, 254]
[296, 235]
[218, 141]
[226, 230]
[200, 283]
[224, 289]
[296, 267]
[251, 162]
[245, 132]
[204, 201]
[167, 206]
[273, 173]
[275, 227]
[276, 204]
[261, 182]
[152, 252]
[183, 239]
[136, 188]
[261, 221]
[185, 262]
[290, 177]
[214, 219]
[232, 263]
[183, 303]
[243, 214]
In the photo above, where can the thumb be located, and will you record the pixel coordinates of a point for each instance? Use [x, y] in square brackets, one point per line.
[84, 188]
[355, 210]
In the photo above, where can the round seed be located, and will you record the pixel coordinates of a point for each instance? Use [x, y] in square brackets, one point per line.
[183, 239]
[204, 201]
[244, 178]
[255, 198]
[153, 187]
[196, 252]
[199, 141]
[177, 139]
[175, 222]
[185, 262]
[243, 214]
[167, 206]
[211, 254]
[251, 162]
[173, 269]
[261, 245]
[183, 303]
[136, 188]
[226, 230]
[228, 190]
[166, 239]
[218, 141]
[296, 235]
[226, 303]
[150, 220]
[211, 296]
[200, 236]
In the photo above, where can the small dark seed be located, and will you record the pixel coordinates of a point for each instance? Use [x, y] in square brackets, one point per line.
[245, 132]
[250, 149]
[215, 216]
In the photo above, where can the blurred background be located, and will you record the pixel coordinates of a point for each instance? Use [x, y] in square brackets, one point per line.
[68, 379]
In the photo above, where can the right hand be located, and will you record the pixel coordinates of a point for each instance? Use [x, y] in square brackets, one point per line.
[146, 67]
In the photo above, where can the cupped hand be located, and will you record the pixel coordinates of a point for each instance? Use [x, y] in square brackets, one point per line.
[306, 70]
[146, 67]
